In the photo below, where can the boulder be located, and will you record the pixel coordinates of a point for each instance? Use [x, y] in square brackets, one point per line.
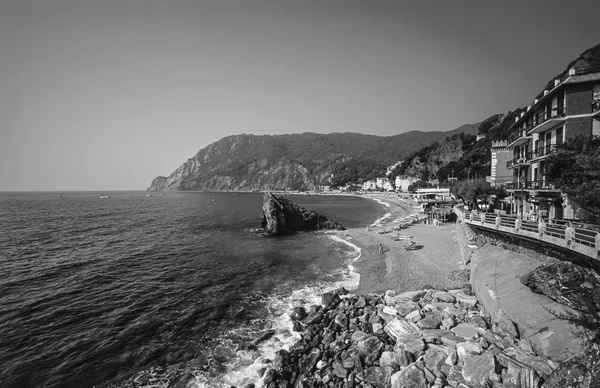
[467, 330]
[366, 346]
[374, 375]
[566, 283]
[431, 321]
[477, 368]
[415, 316]
[467, 348]
[411, 344]
[580, 371]
[405, 308]
[411, 377]
[341, 320]
[435, 335]
[314, 317]
[282, 216]
[298, 313]
[309, 362]
[360, 303]
[434, 358]
[281, 359]
[398, 327]
[389, 359]
[443, 296]
[408, 296]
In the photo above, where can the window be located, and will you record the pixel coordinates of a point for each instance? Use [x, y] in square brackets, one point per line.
[559, 136]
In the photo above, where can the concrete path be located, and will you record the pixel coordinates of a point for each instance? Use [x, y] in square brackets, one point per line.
[495, 276]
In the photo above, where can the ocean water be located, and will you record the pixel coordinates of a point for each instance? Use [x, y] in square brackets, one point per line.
[159, 291]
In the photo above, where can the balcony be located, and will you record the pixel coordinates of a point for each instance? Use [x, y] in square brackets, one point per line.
[546, 120]
[542, 184]
[517, 162]
[544, 151]
[518, 137]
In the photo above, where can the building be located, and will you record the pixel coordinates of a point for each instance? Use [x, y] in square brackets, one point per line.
[402, 182]
[380, 183]
[501, 154]
[369, 185]
[568, 106]
[433, 196]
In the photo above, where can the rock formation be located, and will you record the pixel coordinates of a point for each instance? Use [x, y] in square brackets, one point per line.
[422, 338]
[282, 216]
[568, 284]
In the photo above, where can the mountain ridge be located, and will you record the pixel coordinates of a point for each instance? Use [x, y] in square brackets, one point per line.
[294, 161]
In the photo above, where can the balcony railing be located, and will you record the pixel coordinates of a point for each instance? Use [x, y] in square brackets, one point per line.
[546, 150]
[517, 134]
[542, 184]
[516, 161]
[539, 152]
[572, 235]
[544, 116]
[538, 118]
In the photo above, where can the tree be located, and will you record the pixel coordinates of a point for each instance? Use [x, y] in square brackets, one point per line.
[476, 191]
[575, 170]
[418, 185]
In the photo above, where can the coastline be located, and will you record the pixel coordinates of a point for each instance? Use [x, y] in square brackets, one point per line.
[437, 262]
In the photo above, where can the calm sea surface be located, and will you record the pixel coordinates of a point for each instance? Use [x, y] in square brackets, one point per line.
[158, 291]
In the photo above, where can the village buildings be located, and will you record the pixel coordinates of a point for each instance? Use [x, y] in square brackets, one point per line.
[568, 106]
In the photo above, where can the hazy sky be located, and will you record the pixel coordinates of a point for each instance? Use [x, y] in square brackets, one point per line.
[105, 95]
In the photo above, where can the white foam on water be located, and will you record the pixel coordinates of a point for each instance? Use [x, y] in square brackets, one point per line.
[380, 219]
[352, 277]
[247, 366]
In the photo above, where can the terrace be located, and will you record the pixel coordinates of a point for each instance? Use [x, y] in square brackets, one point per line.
[538, 153]
[570, 235]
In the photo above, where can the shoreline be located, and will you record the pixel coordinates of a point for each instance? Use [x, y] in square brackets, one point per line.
[437, 261]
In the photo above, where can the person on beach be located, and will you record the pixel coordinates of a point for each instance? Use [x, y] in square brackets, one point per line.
[380, 248]
[413, 244]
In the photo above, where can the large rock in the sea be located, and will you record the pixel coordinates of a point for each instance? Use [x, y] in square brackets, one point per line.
[282, 216]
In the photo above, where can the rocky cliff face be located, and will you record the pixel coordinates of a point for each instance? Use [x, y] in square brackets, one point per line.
[292, 162]
[282, 216]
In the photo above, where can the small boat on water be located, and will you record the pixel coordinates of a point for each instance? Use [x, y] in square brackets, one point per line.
[105, 197]
[148, 195]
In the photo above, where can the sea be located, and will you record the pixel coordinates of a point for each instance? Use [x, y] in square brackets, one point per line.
[166, 290]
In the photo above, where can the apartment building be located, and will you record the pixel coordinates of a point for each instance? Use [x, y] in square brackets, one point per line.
[568, 106]
[403, 182]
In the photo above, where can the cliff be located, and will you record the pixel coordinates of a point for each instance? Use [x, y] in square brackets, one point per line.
[295, 161]
[460, 155]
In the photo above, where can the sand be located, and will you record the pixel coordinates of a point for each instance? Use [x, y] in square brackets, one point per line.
[437, 262]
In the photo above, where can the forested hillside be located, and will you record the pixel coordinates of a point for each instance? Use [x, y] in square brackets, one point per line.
[460, 155]
[296, 161]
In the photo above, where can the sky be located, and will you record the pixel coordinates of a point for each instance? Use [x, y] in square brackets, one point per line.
[106, 95]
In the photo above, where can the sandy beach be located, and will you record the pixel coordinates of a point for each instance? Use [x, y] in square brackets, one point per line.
[436, 262]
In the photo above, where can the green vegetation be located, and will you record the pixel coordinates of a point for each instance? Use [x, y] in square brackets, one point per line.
[575, 169]
[476, 192]
[412, 188]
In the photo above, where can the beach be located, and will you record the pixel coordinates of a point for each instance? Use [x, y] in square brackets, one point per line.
[436, 261]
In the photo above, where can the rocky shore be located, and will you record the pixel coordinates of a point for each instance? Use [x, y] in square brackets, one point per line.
[425, 338]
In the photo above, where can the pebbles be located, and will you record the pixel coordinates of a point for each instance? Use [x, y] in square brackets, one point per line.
[426, 339]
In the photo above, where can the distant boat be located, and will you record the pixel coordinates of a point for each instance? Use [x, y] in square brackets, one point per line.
[148, 195]
[213, 200]
[105, 197]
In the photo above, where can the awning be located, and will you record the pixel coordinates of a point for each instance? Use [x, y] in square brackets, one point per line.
[545, 199]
